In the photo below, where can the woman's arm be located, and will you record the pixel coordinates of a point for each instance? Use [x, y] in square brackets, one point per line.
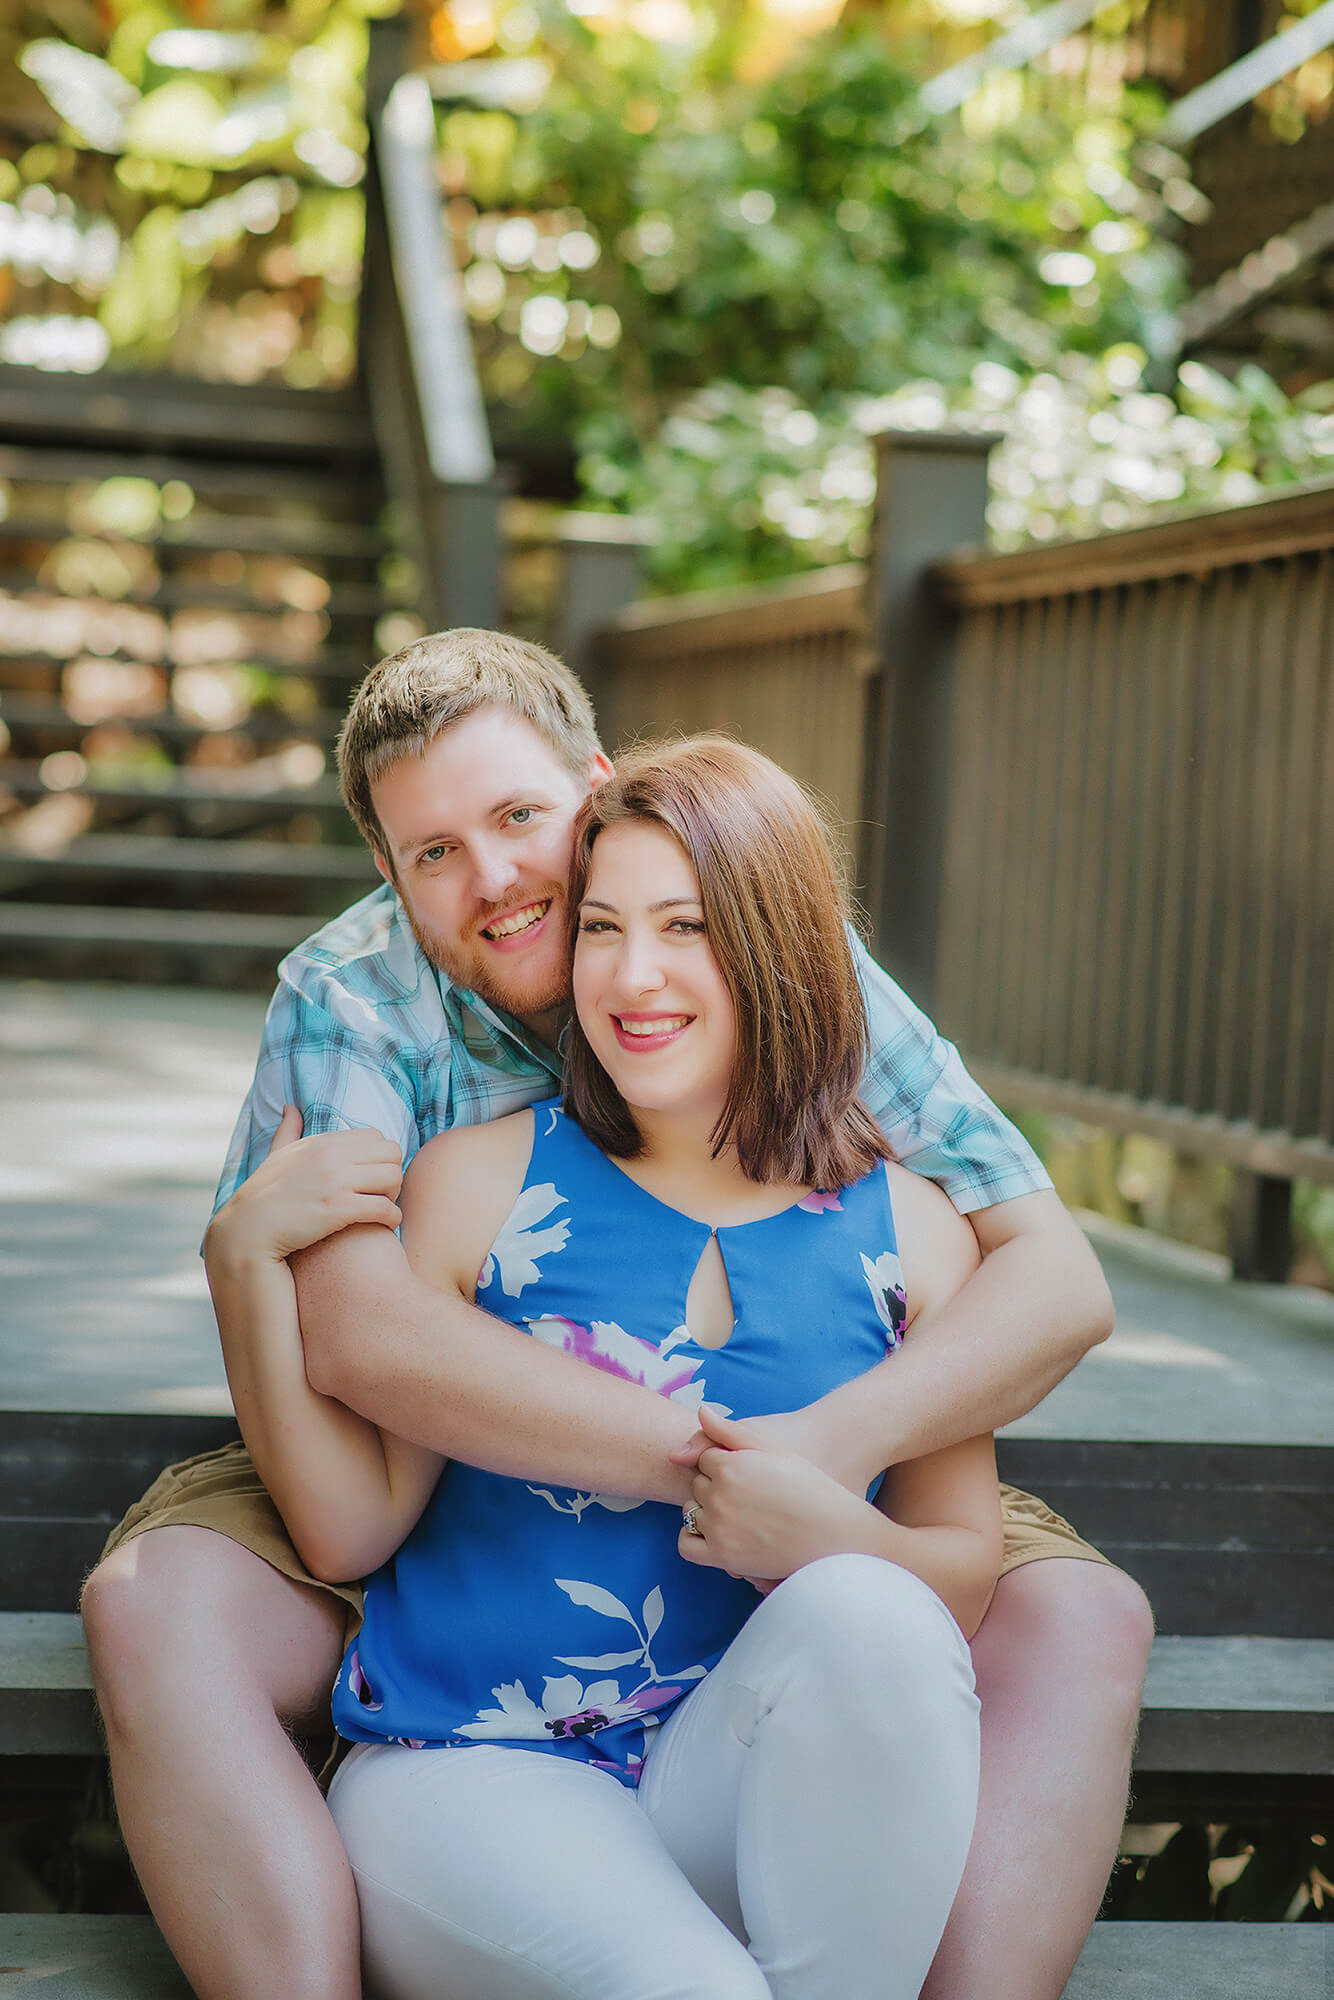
[347, 1493]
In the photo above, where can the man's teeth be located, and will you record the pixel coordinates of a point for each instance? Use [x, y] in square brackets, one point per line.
[517, 920]
[644, 1029]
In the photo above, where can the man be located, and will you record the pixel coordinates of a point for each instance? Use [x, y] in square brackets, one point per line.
[438, 1001]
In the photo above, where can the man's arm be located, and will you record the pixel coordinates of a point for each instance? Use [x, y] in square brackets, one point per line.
[1035, 1306]
[431, 1368]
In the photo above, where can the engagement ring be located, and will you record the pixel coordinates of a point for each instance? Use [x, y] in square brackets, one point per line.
[690, 1520]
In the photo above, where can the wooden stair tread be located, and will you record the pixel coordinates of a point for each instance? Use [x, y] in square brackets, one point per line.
[217, 534]
[177, 788]
[124, 1958]
[161, 854]
[57, 465]
[1230, 1681]
[28, 711]
[61, 923]
[345, 600]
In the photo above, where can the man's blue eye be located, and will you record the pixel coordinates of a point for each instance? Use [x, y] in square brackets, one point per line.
[521, 815]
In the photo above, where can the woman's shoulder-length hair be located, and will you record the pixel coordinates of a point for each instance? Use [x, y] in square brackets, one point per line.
[776, 916]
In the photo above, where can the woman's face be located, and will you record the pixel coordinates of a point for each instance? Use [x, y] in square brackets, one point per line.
[647, 989]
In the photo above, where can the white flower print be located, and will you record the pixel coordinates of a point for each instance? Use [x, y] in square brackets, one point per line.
[568, 1706]
[885, 1278]
[520, 1243]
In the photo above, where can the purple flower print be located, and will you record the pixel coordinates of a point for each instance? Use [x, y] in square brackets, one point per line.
[885, 1279]
[359, 1686]
[609, 1347]
[819, 1202]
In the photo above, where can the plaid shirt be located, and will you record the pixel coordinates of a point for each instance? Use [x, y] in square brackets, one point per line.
[364, 1032]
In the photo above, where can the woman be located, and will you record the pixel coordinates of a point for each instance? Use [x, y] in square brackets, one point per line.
[586, 1761]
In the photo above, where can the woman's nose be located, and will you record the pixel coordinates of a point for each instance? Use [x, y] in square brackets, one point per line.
[640, 968]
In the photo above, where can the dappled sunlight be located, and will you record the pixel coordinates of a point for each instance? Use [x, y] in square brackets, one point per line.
[1143, 1347]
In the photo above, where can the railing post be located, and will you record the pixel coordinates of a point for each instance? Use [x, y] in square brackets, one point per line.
[931, 498]
[601, 572]
[1260, 1227]
[416, 353]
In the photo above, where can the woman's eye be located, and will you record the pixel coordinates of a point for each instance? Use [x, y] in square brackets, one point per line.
[687, 927]
[590, 926]
[521, 816]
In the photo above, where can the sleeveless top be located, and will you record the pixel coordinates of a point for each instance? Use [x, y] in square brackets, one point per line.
[567, 1622]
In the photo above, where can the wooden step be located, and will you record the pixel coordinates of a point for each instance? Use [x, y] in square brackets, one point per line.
[326, 487]
[1231, 1704]
[345, 600]
[42, 713]
[262, 535]
[131, 413]
[342, 664]
[180, 788]
[345, 869]
[124, 1958]
[166, 945]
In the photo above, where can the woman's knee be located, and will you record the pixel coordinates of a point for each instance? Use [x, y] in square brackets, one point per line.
[852, 1615]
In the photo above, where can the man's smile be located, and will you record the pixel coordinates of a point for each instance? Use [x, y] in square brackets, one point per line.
[515, 922]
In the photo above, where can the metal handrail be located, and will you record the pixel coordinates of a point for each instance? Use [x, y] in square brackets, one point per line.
[426, 278]
[1243, 80]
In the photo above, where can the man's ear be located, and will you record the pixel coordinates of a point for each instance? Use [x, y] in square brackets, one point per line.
[383, 867]
[600, 768]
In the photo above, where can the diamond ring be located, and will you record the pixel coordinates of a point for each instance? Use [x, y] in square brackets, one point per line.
[690, 1521]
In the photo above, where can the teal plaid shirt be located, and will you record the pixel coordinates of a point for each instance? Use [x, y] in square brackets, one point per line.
[364, 1033]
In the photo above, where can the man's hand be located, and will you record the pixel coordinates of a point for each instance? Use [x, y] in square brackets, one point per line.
[763, 1513]
[813, 1433]
[307, 1189]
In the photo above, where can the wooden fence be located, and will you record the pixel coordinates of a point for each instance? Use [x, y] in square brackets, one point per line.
[1089, 790]
[1138, 902]
[784, 666]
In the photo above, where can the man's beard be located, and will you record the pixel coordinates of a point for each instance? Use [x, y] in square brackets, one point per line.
[467, 972]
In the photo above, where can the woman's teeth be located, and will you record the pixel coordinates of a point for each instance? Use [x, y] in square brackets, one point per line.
[646, 1029]
[517, 920]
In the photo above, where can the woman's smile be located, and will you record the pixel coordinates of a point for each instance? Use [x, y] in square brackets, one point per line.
[657, 1011]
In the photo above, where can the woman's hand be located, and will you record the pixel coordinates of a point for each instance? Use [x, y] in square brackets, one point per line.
[307, 1189]
[813, 1433]
[761, 1514]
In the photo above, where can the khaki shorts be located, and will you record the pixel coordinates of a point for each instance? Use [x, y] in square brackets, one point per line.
[222, 1491]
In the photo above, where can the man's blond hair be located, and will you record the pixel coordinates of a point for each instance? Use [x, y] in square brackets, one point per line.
[412, 697]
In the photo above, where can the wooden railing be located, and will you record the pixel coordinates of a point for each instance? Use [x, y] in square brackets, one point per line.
[1090, 789]
[783, 666]
[1137, 910]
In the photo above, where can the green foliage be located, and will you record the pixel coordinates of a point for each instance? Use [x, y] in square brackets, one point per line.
[743, 483]
[808, 232]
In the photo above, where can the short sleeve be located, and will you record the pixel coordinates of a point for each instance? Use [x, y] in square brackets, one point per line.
[343, 1074]
[936, 1119]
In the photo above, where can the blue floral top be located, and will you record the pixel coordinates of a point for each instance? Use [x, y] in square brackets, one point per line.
[567, 1622]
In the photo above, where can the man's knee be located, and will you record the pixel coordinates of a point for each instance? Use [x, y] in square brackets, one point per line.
[1085, 1623]
[181, 1607]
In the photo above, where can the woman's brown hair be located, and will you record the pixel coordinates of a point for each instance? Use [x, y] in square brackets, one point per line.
[775, 915]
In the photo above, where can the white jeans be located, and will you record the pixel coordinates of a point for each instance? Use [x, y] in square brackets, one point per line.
[800, 1828]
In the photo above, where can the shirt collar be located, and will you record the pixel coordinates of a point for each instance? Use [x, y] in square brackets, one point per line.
[492, 1036]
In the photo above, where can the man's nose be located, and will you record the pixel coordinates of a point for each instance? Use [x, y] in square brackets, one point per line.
[494, 873]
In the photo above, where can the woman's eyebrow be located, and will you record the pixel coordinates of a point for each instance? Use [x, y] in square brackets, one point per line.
[667, 903]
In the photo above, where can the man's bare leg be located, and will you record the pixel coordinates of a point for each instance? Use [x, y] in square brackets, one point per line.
[1059, 1661]
[201, 1652]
